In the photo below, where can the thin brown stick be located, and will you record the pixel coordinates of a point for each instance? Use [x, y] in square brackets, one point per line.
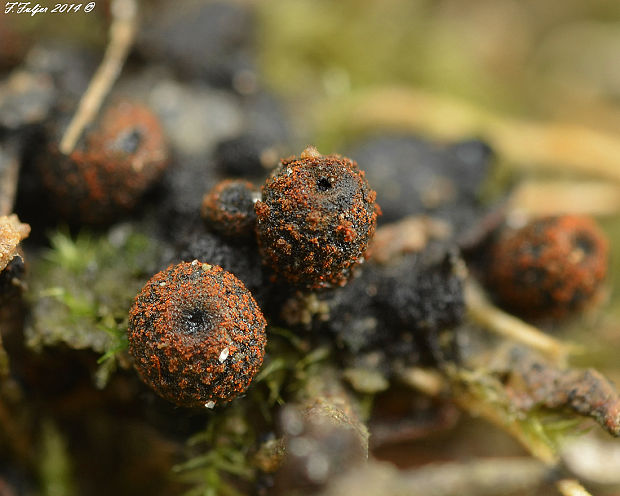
[122, 34]
[13, 431]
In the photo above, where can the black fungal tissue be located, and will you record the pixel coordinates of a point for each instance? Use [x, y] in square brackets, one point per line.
[241, 259]
[246, 155]
[210, 41]
[412, 176]
[396, 312]
[228, 208]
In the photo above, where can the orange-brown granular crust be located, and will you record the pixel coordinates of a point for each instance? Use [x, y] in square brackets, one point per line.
[229, 208]
[107, 174]
[196, 335]
[315, 220]
[551, 267]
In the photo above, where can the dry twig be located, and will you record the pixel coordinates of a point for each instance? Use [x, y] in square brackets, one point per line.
[468, 396]
[122, 33]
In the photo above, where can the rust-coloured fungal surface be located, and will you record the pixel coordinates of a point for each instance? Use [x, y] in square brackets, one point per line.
[196, 335]
[229, 208]
[108, 173]
[551, 267]
[315, 220]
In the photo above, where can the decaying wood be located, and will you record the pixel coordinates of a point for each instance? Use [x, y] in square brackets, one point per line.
[12, 232]
[533, 383]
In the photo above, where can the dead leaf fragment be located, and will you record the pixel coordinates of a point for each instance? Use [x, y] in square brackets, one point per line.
[12, 232]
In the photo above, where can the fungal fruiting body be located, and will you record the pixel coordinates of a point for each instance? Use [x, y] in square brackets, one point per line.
[229, 208]
[551, 267]
[196, 335]
[110, 170]
[315, 220]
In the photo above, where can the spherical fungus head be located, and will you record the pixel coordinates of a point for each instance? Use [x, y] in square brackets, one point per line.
[111, 168]
[549, 268]
[229, 208]
[315, 220]
[196, 335]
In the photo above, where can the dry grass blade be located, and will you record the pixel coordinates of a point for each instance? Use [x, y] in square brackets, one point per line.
[570, 487]
[557, 146]
[538, 198]
[122, 33]
[493, 319]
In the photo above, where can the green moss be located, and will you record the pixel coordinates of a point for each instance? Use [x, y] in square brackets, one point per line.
[218, 456]
[541, 431]
[83, 289]
[54, 464]
[225, 456]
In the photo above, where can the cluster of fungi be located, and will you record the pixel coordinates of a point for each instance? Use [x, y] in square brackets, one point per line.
[257, 247]
[196, 334]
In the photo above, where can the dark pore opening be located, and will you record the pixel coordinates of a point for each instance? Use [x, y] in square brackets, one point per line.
[129, 142]
[323, 184]
[197, 321]
[584, 243]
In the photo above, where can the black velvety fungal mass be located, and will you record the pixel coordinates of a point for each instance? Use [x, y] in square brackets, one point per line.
[396, 312]
[315, 219]
[414, 177]
[240, 258]
[229, 208]
[196, 335]
[246, 155]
